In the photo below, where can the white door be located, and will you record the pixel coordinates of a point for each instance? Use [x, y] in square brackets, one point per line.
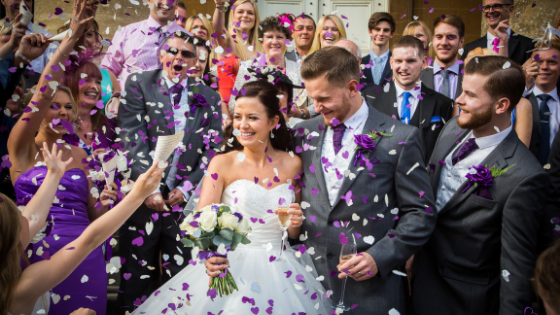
[354, 13]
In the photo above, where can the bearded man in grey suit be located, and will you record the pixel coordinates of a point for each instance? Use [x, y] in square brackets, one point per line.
[490, 191]
[379, 190]
[159, 103]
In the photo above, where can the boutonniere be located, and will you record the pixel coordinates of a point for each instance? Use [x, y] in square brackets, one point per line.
[198, 100]
[483, 176]
[366, 143]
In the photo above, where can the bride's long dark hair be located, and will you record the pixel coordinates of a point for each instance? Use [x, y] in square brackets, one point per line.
[266, 93]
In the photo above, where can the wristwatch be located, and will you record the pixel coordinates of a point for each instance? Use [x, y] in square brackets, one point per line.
[303, 114]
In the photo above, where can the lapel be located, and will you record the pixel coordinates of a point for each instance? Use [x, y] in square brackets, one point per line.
[498, 157]
[446, 143]
[367, 71]
[536, 113]
[373, 122]
[425, 107]
[162, 95]
[427, 77]
[387, 101]
[316, 160]
[512, 44]
[387, 72]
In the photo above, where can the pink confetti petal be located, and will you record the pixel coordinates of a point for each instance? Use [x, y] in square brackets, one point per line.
[431, 10]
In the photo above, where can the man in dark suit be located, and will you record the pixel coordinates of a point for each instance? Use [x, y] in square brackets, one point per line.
[159, 103]
[482, 253]
[422, 107]
[544, 98]
[550, 223]
[445, 76]
[499, 36]
[373, 188]
[375, 66]
[303, 34]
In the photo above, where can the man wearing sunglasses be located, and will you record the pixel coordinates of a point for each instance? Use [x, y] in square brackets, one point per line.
[500, 37]
[162, 102]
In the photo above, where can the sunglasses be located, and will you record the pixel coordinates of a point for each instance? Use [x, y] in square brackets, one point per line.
[496, 7]
[184, 53]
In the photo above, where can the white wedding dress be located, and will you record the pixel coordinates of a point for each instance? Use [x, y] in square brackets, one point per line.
[265, 287]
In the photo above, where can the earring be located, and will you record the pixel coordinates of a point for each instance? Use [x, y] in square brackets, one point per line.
[271, 134]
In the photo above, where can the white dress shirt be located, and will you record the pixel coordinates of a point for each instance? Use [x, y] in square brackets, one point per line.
[413, 98]
[38, 65]
[554, 119]
[453, 176]
[490, 37]
[334, 174]
[178, 115]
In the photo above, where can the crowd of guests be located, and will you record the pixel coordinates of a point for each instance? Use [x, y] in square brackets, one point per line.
[70, 106]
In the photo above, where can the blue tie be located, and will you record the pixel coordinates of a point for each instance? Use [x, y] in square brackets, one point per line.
[377, 70]
[544, 150]
[405, 109]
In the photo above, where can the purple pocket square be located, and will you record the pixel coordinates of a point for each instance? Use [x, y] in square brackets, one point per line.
[484, 193]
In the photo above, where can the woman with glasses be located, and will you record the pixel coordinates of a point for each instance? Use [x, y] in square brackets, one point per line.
[92, 40]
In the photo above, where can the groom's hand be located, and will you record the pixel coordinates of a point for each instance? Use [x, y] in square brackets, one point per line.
[361, 267]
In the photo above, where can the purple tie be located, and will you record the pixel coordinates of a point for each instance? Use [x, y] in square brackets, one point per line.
[465, 150]
[337, 137]
[177, 92]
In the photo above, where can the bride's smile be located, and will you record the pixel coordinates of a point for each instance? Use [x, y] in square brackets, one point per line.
[251, 119]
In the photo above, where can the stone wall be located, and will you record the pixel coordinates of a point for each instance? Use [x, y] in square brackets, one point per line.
[529, 16]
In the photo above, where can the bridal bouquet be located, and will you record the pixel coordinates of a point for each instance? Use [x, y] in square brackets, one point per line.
[216, 229]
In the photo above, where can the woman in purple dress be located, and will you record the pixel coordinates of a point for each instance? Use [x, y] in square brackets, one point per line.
[48, 117]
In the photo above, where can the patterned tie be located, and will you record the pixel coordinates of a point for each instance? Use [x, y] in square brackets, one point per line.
[377, 69]
[176, 92]
[405, 109]
[445, 83]
[469, 146]
[545, 128]
[337, 137]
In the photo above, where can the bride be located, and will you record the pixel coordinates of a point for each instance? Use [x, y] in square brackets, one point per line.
[256, 175]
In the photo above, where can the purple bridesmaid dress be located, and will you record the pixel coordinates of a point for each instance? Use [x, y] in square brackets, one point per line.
[68, 218]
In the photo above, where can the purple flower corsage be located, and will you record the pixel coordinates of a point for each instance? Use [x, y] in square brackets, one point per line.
[366, 143]
[483, 176]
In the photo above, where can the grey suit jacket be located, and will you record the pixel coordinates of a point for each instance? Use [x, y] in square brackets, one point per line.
[482, 253]
[389, 212]
[291, 55]
[148, 114]
[427, 78]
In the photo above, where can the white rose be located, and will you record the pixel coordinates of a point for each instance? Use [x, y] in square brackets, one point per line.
[243, 227]
[121, 163]
[228, 221]
[208, 221]
[186, 226]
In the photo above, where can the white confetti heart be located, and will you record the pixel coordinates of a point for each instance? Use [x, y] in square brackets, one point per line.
[311, 250]
[399, 273]
[56, 237]
[149, 227]
[117, 6]
[412, 168]
[40, 252]
[394, 312]
[506, 65]
[355, 217]
[144, 277]
[85, 279]
[395, 211]
[415, 17]
[320, 278]
[165, 257]
[393, 152]
[305, 205]
[308, 268]
[236, 132]
[369, 239]
[240, 156]
[505, 274]
[76, 177]
[111, 281]
[55, 298]
[387, 200]
[461, 51]
[222, 249]
[386, 88]
[66, 297]
[365, 222]
[219, 50]
[179, 259]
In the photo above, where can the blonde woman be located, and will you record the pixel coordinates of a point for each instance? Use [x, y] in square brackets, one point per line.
[421, 31]
[330, 28]
[522, 115]
[200, 26]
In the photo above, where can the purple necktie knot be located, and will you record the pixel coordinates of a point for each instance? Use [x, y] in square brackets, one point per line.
[469, 146]
[338, 133]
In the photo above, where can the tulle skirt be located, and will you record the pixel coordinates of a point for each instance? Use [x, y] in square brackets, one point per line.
[266, 286]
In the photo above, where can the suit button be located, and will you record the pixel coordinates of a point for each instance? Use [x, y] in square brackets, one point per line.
[329, 256]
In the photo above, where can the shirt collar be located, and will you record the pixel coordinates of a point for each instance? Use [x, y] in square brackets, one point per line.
[373, 55]
[492, 140]
[360, 116]
[414, 92]
[454, 68]
[170, 83]
[491, 37]
[553, 93]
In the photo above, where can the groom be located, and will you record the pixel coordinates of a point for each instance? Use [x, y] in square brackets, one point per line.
[378, 191]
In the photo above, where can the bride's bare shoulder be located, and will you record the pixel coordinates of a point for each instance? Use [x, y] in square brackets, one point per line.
[292, 161]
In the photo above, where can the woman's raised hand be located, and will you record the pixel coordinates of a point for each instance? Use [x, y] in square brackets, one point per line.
[80, 18]
[53, 159]
[148, 182]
